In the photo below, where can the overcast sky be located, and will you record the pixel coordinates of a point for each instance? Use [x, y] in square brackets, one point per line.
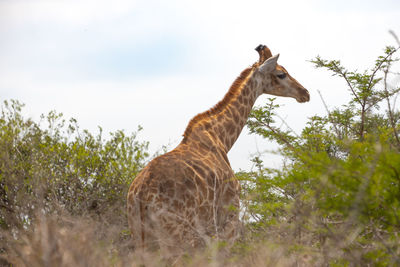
[119, 64]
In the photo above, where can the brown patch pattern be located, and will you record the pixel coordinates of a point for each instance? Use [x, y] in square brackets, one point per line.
[231, 94]
[189, 196]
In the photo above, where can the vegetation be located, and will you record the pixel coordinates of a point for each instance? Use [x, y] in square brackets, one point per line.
[335, 202]
[337, 199]
[52, 170]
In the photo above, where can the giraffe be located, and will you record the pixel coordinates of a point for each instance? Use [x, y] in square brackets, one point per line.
[189, 196]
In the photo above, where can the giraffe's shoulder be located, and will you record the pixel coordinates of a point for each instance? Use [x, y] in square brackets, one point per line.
[166, 165]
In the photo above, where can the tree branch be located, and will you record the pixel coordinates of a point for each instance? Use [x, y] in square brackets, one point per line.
[343, 74]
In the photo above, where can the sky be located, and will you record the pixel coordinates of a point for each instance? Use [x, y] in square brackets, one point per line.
[119, 64]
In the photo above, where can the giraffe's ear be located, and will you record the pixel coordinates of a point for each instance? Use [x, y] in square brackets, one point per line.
[270, 64]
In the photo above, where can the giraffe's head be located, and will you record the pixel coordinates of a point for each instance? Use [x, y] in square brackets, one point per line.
[275, 80]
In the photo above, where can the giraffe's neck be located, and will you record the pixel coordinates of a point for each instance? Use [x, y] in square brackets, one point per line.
[230, 122]
[223, 124]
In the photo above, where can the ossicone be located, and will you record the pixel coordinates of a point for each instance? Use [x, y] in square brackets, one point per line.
[263, 52]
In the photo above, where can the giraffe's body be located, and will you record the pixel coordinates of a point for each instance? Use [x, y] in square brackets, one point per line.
[189, 196]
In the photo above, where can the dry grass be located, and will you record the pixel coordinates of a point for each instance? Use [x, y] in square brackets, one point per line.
[68, 241]
[83, 241]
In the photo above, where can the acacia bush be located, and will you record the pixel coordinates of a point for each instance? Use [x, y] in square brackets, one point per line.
[52, 168]
[337, 197]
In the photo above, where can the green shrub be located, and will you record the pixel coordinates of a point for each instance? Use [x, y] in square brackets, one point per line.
[339, 192]
[53, 166]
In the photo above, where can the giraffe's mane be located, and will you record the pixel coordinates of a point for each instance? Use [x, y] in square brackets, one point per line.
[231, 94]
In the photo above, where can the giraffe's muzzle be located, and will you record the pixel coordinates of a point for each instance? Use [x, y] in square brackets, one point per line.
[304, 96]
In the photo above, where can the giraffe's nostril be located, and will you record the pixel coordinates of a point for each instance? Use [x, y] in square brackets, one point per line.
[305, 96]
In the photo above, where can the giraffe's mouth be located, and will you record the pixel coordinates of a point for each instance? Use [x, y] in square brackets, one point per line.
[304, 97]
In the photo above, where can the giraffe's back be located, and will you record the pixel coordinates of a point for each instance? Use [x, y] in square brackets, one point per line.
[178, 200]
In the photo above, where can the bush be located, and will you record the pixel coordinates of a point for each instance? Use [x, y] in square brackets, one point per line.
[53, 168]
[339, 192]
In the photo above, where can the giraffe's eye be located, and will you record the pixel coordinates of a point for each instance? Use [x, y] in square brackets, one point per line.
[281, 76]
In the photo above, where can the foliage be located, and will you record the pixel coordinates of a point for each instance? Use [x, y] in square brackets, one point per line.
[340, 191]
[52, 167]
